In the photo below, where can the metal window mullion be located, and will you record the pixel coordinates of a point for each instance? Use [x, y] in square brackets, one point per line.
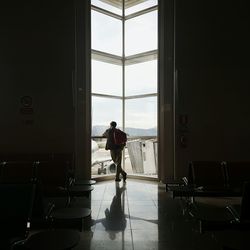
[141, 12]
[118, 60]
[123, 64]
[106, 57]
[143, 54]
[106, 12]
[107, 96]
[98, 52]
[142, 57]
[123, 75]
[123, 90]
[140, 96]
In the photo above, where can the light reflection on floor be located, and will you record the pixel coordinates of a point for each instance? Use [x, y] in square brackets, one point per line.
[142, 215]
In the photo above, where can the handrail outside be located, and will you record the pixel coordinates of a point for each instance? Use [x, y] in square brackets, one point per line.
[129, 137]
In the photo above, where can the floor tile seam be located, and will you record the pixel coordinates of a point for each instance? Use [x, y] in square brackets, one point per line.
[156, 204]
[151, 208]
[99, 210]
[143, 215]
[166, 240]
[153, 202]
[132, 239]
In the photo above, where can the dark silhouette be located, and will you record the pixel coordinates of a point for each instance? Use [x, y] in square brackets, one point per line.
[115, 151]
[115, 219]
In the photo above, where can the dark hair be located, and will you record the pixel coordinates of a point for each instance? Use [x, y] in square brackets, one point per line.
[113, 124]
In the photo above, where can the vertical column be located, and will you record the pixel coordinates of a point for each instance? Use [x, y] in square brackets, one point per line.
[82, 92]
[166, 117]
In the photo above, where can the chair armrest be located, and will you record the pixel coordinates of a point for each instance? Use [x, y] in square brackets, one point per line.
[234, 213]
[19, 244]
[49, 209]
[185, 181]
[71, 181]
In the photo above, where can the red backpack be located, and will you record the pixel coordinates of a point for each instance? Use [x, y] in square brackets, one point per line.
[120, 137]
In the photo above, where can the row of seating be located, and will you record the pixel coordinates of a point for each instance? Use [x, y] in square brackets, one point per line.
[36, 156]
[46, 180]
[56, 176]
[234, 216]
[23, 171]
[218, 175]
[217, 179]
[24, 166]
[18, 210]
[210, 179]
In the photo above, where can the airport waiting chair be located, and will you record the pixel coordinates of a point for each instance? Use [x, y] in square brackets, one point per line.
[18, 171]
[54, 178]
[2, 163]
[44, 235]
[46, 215]
[207, 175]
[232, 217]
[16, 207]
[241, 213]
[42, 210]
[237, 173]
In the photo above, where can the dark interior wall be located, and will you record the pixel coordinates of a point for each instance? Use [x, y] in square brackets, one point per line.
[212, 60]
[36, 59]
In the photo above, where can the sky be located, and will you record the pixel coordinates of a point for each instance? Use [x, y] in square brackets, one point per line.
[140, 36]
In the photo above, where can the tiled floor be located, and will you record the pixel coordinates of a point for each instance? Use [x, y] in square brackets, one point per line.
[142, 215]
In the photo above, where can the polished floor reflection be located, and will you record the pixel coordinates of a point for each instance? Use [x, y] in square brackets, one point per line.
[142, 215]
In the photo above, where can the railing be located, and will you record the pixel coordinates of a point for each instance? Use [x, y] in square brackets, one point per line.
[146, 137]
[139, 158]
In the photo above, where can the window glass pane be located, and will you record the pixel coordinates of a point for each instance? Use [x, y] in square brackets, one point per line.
[144, 5]
[105, 110]
[106, 78]
[106, 33]
[141, 33]
[116, 7]
[141, 78]
[141, 116]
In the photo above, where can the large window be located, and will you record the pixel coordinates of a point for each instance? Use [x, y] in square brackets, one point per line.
[103, 111]
[141, 33]
[141, 78]
[106, 33]
[124, 81]
[141, 116]
[106, 78]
